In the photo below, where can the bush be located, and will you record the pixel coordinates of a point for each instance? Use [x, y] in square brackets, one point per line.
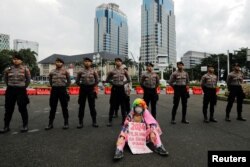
[246, 90]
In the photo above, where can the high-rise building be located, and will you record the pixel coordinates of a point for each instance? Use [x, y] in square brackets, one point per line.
[193, 58]
[24, 44]
[111, 30]
[4, 42]
[158, 36]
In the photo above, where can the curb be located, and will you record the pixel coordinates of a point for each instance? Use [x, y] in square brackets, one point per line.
[224, 98]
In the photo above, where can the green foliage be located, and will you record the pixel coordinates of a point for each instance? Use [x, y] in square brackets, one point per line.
[128, 62]
[29, 60]
[238, 56]
[5, 60]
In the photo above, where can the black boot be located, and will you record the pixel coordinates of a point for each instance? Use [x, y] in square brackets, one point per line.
[80, 125]
[66, 125]
[173, 118]
[173, 121]
[24, 128]
[206, 120]
[212, 116]
[241, 119]
[213, 120]
[94, 124]
[184, 120]
[205, 116]
[118, 154]
[50, 126]
[110, 122]
[5, 129]
[161, 150]
[227, 118]
[116, 114]
[184, 111]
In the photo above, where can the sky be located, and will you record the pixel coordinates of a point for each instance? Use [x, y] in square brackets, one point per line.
[67, 26]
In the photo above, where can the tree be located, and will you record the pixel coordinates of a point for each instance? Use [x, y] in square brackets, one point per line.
[195, 73]
[128, 62]
[240, 56]
[29, 60]
[5, 60]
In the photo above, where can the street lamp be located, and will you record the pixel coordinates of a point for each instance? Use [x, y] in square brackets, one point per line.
[218, 78]
[228, 68]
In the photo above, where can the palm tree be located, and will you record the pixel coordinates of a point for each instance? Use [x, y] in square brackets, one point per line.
[128, 62]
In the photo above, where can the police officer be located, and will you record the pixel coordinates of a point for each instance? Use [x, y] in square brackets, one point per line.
[17, 79]
[149, 82]
[59, 81]
[234, 81]
[87, 79]
[208, 84]
[117, 97]
[127, 89]
[179, 81]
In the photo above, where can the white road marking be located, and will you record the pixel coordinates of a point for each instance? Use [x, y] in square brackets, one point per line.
[33, 130]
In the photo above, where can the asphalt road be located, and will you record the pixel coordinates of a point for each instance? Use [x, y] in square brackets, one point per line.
[91, 147]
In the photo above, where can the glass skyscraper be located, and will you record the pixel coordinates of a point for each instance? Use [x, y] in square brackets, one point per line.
[158, 36]
[111, 30]
[4, 42]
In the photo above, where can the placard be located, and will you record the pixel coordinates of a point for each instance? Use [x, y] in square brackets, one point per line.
[137, 138]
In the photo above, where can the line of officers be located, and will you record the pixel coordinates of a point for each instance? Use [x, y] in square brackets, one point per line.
[17, 79]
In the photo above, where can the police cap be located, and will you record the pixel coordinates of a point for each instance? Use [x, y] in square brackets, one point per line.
[118, 59]
[17, 56]
[150, 64]
[180, 62]
[87, 59]
[210, 65]
[236, 64]
[60, 60]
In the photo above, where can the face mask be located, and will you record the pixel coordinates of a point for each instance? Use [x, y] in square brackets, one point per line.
[138, 109]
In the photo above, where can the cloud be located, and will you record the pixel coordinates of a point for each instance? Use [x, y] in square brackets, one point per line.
[211, 26]
[67, 27]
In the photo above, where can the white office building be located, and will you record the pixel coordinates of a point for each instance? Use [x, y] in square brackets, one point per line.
[193, 58]
[24, 44]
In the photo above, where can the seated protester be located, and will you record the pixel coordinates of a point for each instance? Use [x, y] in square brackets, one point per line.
[140, 114]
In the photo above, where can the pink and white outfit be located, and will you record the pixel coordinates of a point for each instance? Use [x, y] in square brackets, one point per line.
[153, 129]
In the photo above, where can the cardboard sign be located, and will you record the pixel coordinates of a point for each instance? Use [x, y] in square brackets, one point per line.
[137, 138]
